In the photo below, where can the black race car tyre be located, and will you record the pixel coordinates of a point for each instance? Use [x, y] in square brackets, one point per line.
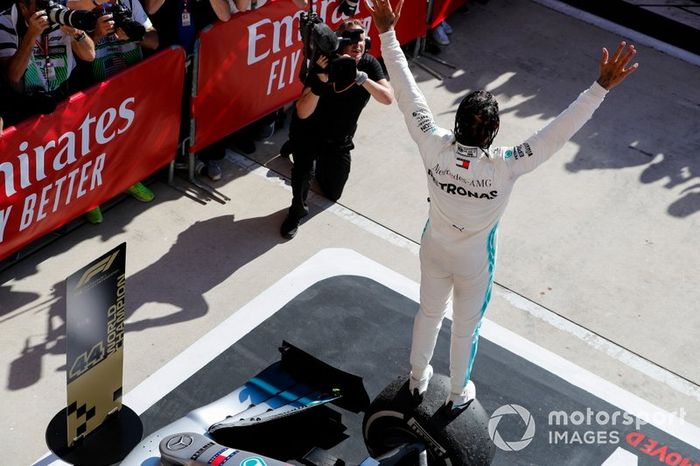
[451, 437]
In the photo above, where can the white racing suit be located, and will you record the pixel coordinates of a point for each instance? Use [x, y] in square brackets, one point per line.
[469, 189]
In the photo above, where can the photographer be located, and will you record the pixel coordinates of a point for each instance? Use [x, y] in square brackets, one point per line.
[336, 89]
[36, 53]
[122, 28]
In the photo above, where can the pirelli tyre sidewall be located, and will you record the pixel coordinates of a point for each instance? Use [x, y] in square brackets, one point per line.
[452, 438]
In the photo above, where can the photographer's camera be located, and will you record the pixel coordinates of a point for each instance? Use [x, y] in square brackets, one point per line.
[320, 40]
[84, 20]
[121, 16]
[58, 15]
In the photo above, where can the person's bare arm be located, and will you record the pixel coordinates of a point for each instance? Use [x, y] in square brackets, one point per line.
[80, 4]
[82, 44]
[150, 39]
[380, 90]
[85, 49]
[15, 66]
[306, 105]
[242, 5]
[152, 6]
[221, 9]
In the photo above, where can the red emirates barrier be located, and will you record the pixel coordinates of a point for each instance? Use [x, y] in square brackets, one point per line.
[411, 26]
[92, 148]
[442, 9]
[249, 66]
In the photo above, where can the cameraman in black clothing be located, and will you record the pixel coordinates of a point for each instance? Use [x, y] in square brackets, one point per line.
[325, 119]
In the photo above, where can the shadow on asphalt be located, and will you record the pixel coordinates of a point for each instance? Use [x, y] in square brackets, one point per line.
[207, 253]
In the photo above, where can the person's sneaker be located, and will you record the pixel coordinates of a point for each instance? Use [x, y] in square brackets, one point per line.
[461, 400]
[210, 168]
[199, 167]
[141, 193]
[290, 226]
[439, 35]
[214, 171]
[94, 216]
[243, 144]
[418, 387]
[446, 27]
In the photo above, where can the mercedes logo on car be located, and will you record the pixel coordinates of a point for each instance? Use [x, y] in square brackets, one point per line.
[179, 442]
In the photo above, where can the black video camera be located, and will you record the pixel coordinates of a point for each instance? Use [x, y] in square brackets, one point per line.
[320, 40]
[60, 15]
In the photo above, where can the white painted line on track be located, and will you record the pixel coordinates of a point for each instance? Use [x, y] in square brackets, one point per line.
[623, 31]
[601, 344]
[333, 262]
[613, 350]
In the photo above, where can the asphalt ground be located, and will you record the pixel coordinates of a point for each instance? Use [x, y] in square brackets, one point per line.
[356, 316]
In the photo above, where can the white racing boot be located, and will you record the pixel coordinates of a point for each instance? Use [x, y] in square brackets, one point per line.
[418, 387]
[461, 400]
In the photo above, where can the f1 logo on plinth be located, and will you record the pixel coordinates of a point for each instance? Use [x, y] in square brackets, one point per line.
[94, 342]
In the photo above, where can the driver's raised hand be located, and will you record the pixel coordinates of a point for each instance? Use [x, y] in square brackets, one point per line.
[613, 70]
[385, 18]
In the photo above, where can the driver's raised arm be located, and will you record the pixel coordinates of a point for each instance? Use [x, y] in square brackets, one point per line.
[543, 144]
[419, 119]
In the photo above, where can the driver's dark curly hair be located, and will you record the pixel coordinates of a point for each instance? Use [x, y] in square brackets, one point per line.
[477, 121]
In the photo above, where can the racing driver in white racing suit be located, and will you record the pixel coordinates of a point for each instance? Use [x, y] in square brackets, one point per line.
[469, 183]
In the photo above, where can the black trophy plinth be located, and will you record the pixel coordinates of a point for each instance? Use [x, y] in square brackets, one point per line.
[106, 445]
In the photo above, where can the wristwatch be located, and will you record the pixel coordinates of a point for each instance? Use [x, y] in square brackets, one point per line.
[80, 36]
